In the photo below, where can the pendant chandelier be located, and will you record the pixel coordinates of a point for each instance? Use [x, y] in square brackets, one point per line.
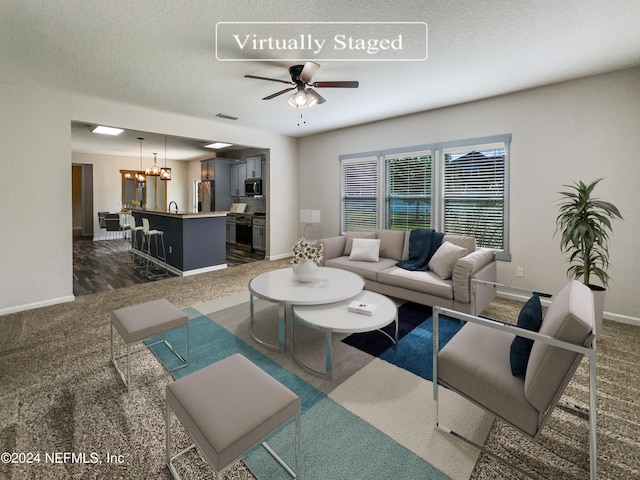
[165, 173]
[155, 170]
[140, 178]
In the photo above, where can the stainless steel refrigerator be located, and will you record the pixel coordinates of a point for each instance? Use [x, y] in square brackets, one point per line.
[207, 196]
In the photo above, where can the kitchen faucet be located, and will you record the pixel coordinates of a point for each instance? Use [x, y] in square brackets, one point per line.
[174, 204]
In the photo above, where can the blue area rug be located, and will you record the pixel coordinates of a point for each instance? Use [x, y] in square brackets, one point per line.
[210, 342]
[415, 347]
[334, 442]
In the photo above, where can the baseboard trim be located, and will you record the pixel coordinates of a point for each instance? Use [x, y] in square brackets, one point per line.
[31, 306]
[616, 317]
[278, 257]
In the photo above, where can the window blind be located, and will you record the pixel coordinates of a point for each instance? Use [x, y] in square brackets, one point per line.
[359, 193]
[474, 194]
[408, 191]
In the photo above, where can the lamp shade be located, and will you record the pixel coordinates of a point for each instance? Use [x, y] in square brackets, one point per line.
[310, 216]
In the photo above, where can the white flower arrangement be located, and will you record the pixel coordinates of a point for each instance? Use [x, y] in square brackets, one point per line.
[303, 250]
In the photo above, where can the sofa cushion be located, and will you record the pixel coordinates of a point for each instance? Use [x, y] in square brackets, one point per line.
[392, 243]
[333, 246]
[365, 249]
[530, 318]
[462, 241]
[351, 235]
[423, 282]
[445, 258]
[367, 270]
[569, 318]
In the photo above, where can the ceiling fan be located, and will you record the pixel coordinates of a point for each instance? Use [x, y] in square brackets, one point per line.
[305, 96]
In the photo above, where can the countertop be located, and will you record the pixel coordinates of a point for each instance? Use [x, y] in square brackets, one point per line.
[182, 214]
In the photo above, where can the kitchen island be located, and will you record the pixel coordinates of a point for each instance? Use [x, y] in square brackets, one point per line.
[194, 242]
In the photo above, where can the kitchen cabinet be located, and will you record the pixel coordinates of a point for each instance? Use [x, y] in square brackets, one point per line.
[259, 234]
[207, 170]
[231, 229]
[254, 166]
[237, 176]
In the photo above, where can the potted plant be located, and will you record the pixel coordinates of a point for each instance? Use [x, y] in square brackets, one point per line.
[584, 224]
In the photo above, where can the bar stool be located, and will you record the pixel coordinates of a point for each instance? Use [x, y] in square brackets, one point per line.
[134, 241]
[147, 234]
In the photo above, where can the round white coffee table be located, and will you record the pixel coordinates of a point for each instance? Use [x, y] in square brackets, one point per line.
[331, 285]
[336, 318]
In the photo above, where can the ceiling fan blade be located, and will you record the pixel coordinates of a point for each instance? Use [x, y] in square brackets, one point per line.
[319, 98]
[336, 84]
[308, 71]
[273, 95]
[270, 79]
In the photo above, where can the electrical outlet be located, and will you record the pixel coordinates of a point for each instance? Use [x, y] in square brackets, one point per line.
[520, 272]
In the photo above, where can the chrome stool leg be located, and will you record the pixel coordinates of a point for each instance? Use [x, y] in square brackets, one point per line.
[156, 234]
[147, 234]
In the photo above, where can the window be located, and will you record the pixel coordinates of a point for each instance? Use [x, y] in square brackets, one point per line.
[408, 191]
[474, 194]
[359, 193]
[458, 187]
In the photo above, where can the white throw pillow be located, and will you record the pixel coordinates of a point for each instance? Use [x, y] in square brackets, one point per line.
[352, 235]
[365, 250]
[445, 258]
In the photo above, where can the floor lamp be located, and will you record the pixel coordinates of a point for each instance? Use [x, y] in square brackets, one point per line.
[309, 217]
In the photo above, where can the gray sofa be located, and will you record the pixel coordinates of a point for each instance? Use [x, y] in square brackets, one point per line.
[449, 288]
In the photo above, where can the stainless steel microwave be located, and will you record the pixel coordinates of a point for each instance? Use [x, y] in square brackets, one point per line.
[253, 186]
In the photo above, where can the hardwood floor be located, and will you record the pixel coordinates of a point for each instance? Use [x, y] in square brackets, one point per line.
[104, 265]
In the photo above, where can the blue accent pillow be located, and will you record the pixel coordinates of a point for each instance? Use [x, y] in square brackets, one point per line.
[530, 317]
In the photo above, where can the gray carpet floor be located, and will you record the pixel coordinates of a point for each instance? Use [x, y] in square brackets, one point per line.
[61, 394]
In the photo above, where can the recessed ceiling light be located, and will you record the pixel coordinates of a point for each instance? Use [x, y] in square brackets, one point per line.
[218, 145]
[107, 130]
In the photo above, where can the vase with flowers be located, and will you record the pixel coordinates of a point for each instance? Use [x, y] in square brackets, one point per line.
[306, 258]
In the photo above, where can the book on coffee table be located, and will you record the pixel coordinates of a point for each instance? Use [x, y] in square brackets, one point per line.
[363, 308]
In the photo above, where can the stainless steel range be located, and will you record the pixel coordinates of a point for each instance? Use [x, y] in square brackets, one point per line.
[243, 231]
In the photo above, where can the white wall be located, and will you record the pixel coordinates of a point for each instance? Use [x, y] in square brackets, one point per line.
[579, 130]
[35, 188]
[35, 194]
[107, 181]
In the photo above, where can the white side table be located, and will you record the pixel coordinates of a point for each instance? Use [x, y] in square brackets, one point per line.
[336, 317]
[330, 286]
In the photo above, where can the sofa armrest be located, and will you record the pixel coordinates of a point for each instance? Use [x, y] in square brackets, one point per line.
[479, 264]
[333, 247]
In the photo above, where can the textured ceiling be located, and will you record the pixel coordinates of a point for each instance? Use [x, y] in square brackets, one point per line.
[162, 55]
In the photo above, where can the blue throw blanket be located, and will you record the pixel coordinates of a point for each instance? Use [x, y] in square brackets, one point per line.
[422, 245]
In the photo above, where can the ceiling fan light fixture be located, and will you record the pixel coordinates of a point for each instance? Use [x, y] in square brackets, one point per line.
[301, 100]
[300, 97]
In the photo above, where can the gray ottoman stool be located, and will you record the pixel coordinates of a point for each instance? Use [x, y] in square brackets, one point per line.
[138, 322]
[228, 408]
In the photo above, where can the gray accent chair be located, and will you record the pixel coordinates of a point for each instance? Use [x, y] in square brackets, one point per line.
[475, 364]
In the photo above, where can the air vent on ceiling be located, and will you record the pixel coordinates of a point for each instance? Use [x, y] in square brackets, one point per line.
[228, 117]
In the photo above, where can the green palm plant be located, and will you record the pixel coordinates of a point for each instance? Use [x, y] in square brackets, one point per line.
[584, 224]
